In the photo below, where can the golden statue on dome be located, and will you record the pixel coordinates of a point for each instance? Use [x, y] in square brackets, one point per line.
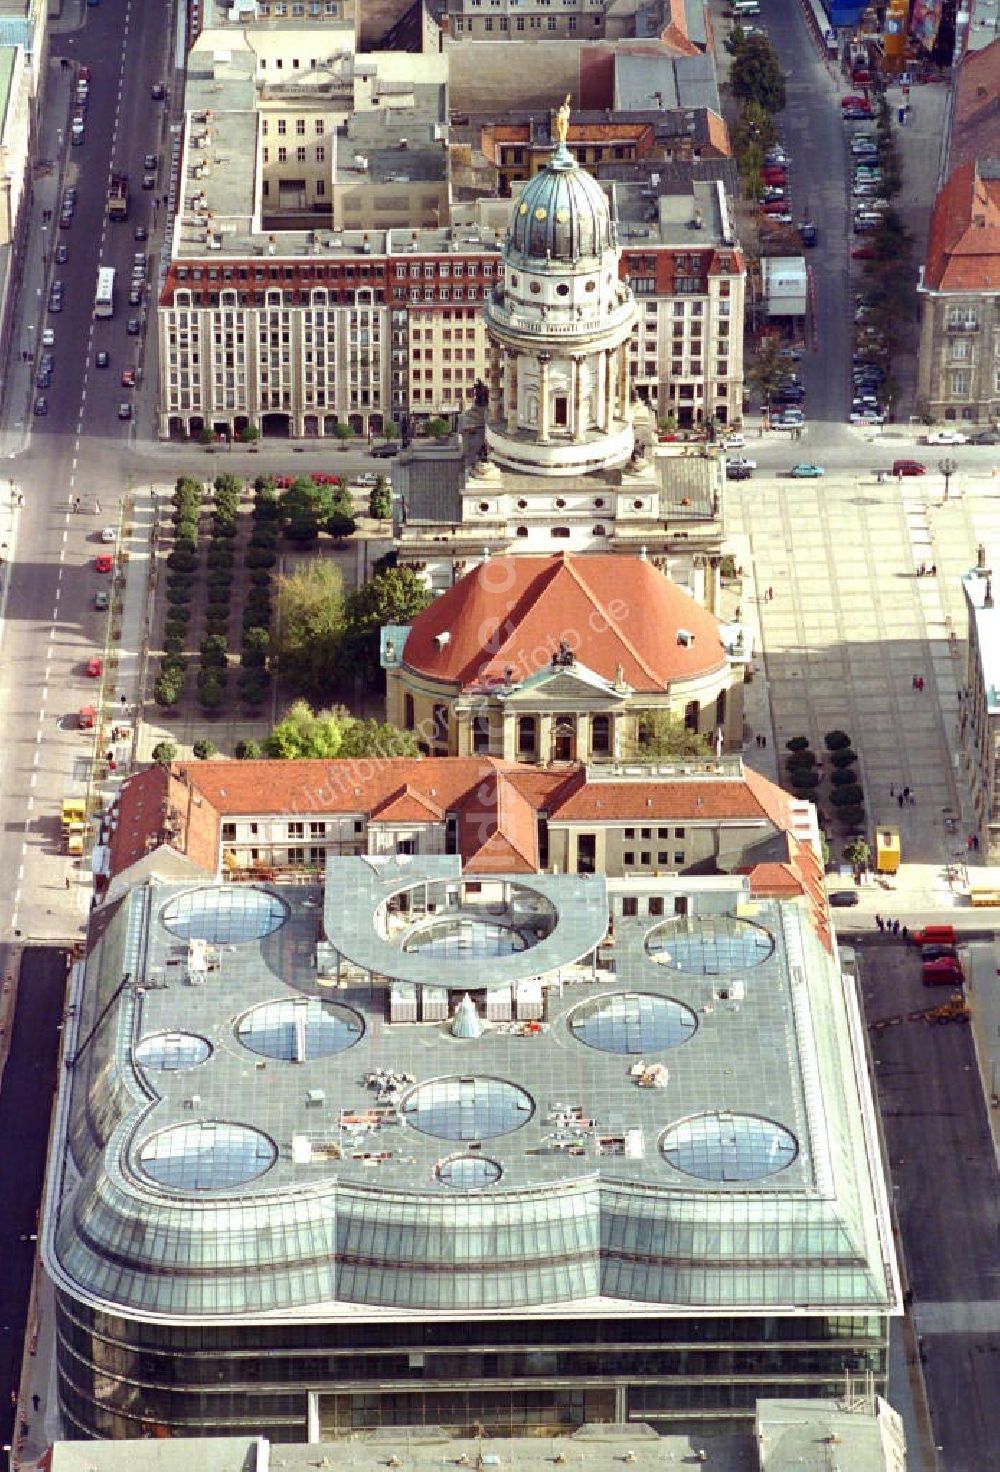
[562, 121]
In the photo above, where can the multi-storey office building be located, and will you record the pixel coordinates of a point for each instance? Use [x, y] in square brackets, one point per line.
[979, 712]
[421, 1146]
[316, 279]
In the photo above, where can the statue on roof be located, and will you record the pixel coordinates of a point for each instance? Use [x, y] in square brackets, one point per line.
[562, 121]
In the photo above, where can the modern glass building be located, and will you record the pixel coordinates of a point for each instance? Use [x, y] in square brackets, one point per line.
[517, 1153]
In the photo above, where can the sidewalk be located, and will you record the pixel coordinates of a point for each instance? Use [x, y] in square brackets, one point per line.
[29, 310]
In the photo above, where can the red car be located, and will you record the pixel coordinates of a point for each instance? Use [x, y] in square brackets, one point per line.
[128, 378]
[945, 972]
[95, 668]
[908, 467]
[863, 253]
[104, 563]
[774, 176]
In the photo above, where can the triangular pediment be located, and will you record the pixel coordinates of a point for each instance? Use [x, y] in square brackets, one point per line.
[573, 687]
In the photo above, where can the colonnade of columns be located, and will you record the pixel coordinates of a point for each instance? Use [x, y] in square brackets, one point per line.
[612, 391]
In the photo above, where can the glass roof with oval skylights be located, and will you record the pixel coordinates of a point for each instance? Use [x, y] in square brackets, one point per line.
[610, 1111]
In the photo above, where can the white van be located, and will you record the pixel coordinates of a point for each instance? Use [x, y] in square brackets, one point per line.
[744, 8]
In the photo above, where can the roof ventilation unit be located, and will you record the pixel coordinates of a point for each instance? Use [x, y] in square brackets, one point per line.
[685, 637]
[443, 638]
[466, 1023]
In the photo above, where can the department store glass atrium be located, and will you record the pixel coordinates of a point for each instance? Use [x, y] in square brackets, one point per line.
[416, 1149]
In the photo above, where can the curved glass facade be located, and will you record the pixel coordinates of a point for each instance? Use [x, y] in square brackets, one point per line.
[633, 1022]
[710, 945]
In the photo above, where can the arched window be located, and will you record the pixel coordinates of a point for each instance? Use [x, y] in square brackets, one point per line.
[600, 735]
[692, 715]
[407, 712]
[560, 531]
[526, 737]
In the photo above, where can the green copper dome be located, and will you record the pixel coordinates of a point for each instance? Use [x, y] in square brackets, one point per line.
[562, 214]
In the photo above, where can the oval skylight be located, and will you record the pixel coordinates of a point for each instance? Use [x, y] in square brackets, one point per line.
[231, 914]
[208, 1156]
[468, 1172]
[709, 945]
[467, 1108]
[172, 1051]
[295, 1029]
[728, 1147]
[632, 1022]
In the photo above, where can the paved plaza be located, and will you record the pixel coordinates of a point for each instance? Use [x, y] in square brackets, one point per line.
[852, 623]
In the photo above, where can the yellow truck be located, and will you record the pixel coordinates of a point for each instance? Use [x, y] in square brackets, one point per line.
[74, 824]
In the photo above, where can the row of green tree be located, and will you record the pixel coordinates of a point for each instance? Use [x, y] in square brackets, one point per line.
[758, 84]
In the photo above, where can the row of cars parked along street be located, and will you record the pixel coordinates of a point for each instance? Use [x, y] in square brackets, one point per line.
[870, 362]
[56, 301]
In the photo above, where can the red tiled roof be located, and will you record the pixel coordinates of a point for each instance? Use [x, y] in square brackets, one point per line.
[406, 805]
[963, 245]
[158, 808]
[802, 874]
[976, 125]
[498, 830]
[709, 798]
[513, 612]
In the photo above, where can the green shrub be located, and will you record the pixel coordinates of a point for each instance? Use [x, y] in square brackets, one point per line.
[265, 535]
[843, 758]
[187, 544]
[260, 578]
[180, 580]
[260, 557]
[175, 662]
[222, 528]
[797, 743]
[203, 749]
[844, 777]
[221, 556]
[805, 779]
[220, 584]
[212, 674]
[182, 562]
[164, 752]
[167, 691]
[303, 531]
[836, 740]
[341, 527]
[253, 686]
[800, 759]
[257, 638]
[246, 751]
[214, 650]
[180, 596]
[843, 797]
[210, 693]
[218, 624]
[253, 659]
[176, 627]
[174, 643]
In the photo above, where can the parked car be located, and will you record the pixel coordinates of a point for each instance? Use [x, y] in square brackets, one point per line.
[150, 161]
[141, 233]
[738, 472]
[743, 461]
[135, 296]
[844, 899]
[104, 562]
[124, 411]
[41, 406]
[733, 442]
[385, 452]
[134, 326]
[128, 378]
[48, 337]
[986, 437]
[806, 471]
[938, 953]
[95, 668]
[62, 253]
[908, 467]
[945, 437]
[43, 378]
[101, 359]
[109, 534]
[946, 972]
[102, 599]
[158, 91]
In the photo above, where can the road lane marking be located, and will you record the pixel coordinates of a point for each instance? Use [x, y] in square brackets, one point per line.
[37, 758]
[34, 779]
[20, 873]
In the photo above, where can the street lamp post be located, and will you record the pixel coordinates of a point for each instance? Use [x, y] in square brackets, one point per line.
[947, 467]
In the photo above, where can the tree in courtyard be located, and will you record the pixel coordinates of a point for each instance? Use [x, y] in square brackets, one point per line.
[437, 428]
[756, 75]
[858, 855]
[394, 596]
[305, 732]
[310, 626]
[662, 737]
[376, 739]
[163, 753]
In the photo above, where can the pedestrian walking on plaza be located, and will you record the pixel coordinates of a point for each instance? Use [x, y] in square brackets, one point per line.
[895, 927]
[916, 685]
[899, 799]
[879, 922]
[905, 932]
[769, 595]
[97, 508]
[892, 789]
[67, 881]
[906, 794]
[76, 503]
[763, 741]
[36, 1402]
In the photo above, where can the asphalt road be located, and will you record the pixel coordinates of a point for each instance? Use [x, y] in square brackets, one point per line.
[944, 1177]
[26, 1097]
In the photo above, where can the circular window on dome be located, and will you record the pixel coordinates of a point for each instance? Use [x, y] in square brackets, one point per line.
[522, 209]
[563, 216]
[590, 286]
[295, 1029]
[226, 916]
[534, 287]
[728, 1147]
[632, 1022]
[468, 1172]
[541, 214]
[636, 505]
[170, 1052]
[208, 1156]
[484, 505]
[599, 502]
[709, 945]
[467, 1108]
[560, 503]
[562, 289]
[522, 505]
